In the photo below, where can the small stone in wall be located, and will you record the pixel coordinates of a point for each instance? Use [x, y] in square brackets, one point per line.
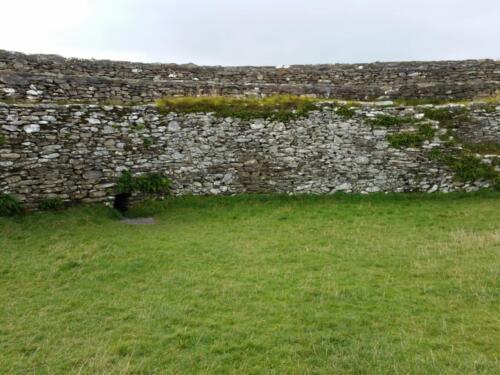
[344, 186]
[32, 128]
[362, 160]
[33, 93]
[49, 118]
[108, 130]
[94, 121]
[384, 103]
[433, 189]
[177, 155]
[11, 128]
[228, 177]
[173, 126]
[92, 175]
[257, 125]
[10, 156]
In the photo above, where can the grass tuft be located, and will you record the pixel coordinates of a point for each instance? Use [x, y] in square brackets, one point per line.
[345, 111]
[424, 101]
[493, 99]
[484, 148]
[446, 116]
[412, 139]
[10, 205]
[51, 204]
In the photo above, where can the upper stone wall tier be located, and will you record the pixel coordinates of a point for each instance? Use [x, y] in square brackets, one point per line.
[51, 77]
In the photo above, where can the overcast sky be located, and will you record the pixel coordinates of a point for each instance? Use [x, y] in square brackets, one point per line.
[254, 32]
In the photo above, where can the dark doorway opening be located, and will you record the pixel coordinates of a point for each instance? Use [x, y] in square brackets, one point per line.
[122, 202]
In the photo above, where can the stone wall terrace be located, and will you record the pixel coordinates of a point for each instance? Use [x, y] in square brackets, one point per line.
[50, 77]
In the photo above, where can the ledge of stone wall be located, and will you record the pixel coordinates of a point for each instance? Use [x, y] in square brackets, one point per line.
[50, 77]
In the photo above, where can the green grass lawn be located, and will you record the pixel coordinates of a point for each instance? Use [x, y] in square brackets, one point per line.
[404, 284]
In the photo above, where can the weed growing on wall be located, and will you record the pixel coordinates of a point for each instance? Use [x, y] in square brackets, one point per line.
[10, 205]
[400, 140]
[125, 184]
[412, 139]
[388, 120]
[345, 112]
[461, 158]
[484, 148]
[467, 167]
[470, 168]
[137, 127]
[150, 183]
[446, 116]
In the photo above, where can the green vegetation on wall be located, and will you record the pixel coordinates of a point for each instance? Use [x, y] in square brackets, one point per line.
[447, 116]
[423, 101]
[484, 148]
[10, 205]
[412, 139]
[279, 108]
[389, 120]
[467, 166]
[345, 111]
[421, 130]
[147, 142]
[460, 157]
[150, 183]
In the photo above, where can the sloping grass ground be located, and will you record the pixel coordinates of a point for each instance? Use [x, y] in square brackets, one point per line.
[396, 284]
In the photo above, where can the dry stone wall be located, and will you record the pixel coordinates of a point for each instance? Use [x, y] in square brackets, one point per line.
[77, 152]
[48, 78]
[482, 127]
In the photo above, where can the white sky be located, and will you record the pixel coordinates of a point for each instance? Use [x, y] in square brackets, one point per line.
[254, 32]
